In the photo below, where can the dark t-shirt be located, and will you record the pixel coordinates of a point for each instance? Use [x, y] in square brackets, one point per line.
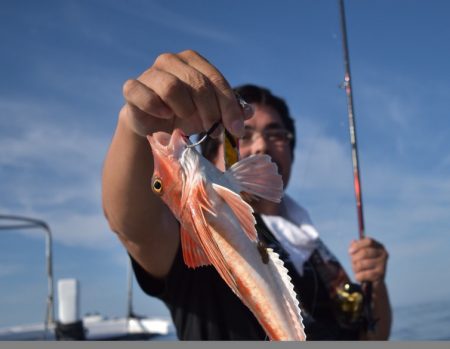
[203, 307]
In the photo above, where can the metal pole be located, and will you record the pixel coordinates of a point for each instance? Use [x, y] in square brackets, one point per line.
[27, 223]
[130, 313]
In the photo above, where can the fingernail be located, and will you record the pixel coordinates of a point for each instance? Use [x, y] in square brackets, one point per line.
[351, 249]
[237, 128]
[165, 112]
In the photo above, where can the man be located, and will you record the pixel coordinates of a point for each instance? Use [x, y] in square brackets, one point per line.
[185, 91]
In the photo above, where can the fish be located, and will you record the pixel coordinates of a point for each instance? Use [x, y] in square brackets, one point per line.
[217, 227]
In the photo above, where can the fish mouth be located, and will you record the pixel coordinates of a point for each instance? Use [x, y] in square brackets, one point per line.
[168, 144]
[162, 139]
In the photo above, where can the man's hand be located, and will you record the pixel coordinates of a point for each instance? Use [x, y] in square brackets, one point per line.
[180, 91]
[369, 260]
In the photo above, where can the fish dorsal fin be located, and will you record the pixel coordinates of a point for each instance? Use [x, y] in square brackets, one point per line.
[193, 254]
[242, 210]
[288, 294]
[257, 175]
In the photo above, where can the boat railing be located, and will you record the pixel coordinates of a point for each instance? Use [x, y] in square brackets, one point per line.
[13, 222]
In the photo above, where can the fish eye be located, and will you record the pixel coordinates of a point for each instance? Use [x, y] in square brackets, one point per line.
[157, 186]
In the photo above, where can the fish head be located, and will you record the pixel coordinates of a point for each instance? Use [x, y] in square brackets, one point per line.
[167, 182]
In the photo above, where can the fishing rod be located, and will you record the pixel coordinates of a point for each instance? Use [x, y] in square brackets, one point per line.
[347, 84]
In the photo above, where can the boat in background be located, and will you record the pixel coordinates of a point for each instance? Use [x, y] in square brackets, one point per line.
[94, 328]
[69, 325]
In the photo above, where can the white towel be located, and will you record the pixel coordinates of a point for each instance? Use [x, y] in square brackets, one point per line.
[296, 233]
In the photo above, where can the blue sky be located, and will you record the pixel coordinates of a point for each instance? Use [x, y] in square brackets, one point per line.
[63, 66]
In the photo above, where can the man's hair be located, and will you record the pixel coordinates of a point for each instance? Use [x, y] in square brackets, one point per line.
[257, 95]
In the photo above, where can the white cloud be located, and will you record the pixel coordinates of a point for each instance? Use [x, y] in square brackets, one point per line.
[54, 173]
[10, 269]
[86, 230]
[53, 147]
[322, 162]
[387, 107]
[162, 16]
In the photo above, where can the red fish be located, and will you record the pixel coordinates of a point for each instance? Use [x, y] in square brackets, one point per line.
[218, 227]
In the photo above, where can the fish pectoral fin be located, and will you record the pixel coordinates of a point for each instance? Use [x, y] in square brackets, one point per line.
[242, 210]
[193, 254]
[258, 176]
[202, 219]
[208, 239]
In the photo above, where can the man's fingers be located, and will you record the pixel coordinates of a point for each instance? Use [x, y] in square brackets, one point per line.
[367, 271]
[365, 264]
[356, 245]
[369, 260]
[201, 89]
[143, 123]
[185, 90]
[367, 276]
[188, 90]
[171, 90]
[232, 115]
[367, 252]
[145, 99]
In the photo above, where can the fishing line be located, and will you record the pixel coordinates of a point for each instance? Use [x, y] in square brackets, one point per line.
[207, 134]
[245, 108]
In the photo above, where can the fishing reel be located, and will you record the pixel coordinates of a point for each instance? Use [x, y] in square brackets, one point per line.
[350, 305]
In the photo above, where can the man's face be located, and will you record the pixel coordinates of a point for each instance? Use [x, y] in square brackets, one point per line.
[265, 120]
